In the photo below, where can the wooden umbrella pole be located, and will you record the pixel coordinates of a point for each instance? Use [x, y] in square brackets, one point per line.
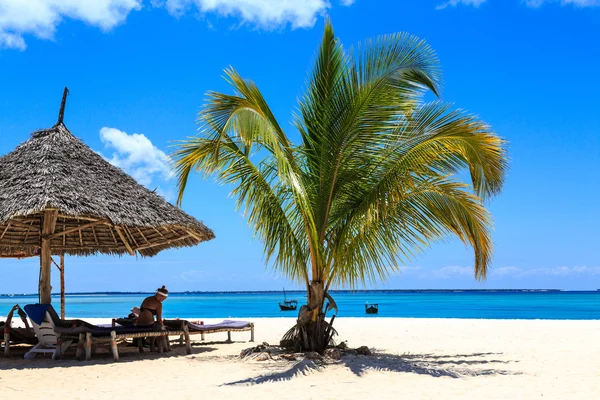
[62, 285]
[61, 269]
[48, 226]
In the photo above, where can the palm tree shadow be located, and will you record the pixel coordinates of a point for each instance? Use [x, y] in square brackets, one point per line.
[453, 366]
[300, 368]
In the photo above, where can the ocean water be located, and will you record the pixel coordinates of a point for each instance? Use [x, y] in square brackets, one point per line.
[412, 304]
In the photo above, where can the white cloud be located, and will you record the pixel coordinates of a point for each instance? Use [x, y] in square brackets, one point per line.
[454, 3]
[266, 14]
[529, 3]
[505, 271]
[576, 3]
[136, 155]
[500, 272]
[451, 271]
[12, 41]
[410, 270]
[197, 275]
[549, 271]
[41, 17]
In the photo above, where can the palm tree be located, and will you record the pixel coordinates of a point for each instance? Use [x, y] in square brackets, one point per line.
[374, 181]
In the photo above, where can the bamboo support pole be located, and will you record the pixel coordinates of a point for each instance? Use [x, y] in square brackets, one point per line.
[80, 344]
[48, 226]
[5, 230]
[79, 217]
[168, 242]
[88, 346]
[157, 231]
[143, 236]
[124, 240]
[113, 345]
[27, 234]
[112, 234]
[167, 343]
[130, 235]
[57, 351]
[95, 236]
[188, 344]
[62, 285]
[78, 228]
[192, 234]
[183, 324]
[7, 341]
[159, 344]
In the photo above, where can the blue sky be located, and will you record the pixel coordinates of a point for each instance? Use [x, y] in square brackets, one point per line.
[138, 72]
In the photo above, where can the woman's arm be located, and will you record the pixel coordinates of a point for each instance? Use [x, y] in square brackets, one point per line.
[159, 314]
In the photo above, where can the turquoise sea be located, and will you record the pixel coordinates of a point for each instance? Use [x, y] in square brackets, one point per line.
[396, 303]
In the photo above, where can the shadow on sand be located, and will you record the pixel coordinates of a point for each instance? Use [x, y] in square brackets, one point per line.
[101, 356]
[453, 366]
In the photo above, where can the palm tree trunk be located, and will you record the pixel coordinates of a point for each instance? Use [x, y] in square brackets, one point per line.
[311, 332]
[316, 299]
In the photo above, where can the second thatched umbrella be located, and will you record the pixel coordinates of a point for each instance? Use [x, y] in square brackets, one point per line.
[58, 196]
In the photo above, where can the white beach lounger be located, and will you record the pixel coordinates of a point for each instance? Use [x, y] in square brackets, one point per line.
[48, 341]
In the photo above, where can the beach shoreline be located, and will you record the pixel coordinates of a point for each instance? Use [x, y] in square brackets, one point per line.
[413, 357]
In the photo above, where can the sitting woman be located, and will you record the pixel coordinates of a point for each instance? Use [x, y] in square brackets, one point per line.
[152, 306]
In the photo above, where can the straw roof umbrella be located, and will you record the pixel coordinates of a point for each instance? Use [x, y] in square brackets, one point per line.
[58, 196]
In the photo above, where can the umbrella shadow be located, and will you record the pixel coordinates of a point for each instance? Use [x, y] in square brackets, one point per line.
[453, 366]
[102, 356]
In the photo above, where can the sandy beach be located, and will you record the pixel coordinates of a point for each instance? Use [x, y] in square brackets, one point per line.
[413, 358]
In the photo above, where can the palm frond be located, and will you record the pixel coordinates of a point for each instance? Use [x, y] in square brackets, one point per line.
[376, 178]
[256, 189]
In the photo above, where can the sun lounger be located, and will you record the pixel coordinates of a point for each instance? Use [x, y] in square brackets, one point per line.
[56, 335]
[91, 336]
[44, 320]
[195, 327]
[184, 328]
[16, 335]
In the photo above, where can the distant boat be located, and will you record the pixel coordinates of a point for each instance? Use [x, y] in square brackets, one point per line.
[372, 308]
[288, 305]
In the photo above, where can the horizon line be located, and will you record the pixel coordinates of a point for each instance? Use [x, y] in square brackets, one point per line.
[304, 291]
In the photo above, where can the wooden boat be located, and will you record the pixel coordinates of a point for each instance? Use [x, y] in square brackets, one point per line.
[372, 308]
[288, 305]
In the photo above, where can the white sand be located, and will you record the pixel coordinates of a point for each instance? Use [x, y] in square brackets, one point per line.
[416, 359]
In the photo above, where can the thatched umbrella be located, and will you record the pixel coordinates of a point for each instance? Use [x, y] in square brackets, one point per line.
[58, 196]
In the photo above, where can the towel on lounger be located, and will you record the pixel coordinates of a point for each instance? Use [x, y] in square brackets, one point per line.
[37, 312]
